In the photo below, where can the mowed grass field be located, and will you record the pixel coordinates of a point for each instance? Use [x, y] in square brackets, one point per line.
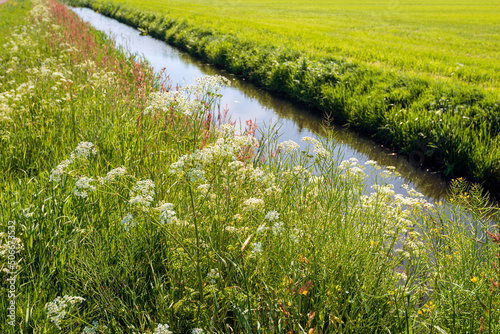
[448, 40]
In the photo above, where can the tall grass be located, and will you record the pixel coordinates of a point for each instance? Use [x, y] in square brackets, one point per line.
[448, 121]
[152, 215]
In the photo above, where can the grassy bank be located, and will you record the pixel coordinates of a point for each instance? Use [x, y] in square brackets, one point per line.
[399, 78]
[128, 209]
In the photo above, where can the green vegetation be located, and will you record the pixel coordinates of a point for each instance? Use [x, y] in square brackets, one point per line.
[419, 77]
[127, 209]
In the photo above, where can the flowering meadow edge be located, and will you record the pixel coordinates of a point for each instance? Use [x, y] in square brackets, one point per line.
[200, 239]
[452, 128]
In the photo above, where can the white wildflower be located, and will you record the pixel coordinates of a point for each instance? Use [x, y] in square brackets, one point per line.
[300, 170]
[236, 164]
[288, 146]
[272, 215]
[277, 228]
[196, 175]
[93, 329]
[142, 193]
[7, 245]
[162, 329]
[204, 188]
[56, 308]
[167, 214]
[257, 248]
[253, 204]
[321, 151]
[128, 221]
[113, 174]
[296, 235]
[401, 275]
[83, 149]
[262, 228]
[177, 166]
[89, 330]
[356, 170]
[56, 173]
[82, 185]
[310, 140]
[213, 275]
[197, 331]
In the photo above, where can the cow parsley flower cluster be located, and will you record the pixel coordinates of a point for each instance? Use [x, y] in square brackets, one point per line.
[83, 150]
[272, 215]
[253, 204]
[56, 309]
[191, 100]
[167, 214]
[8, 244]
[277, 228]
[82, 185]
[56, 173]
[40, 11]
[114, 174]
[288, 146]
[209, 85]
[162, 329]
[257, 248]
[142, 193]
[93, 329]
[213, 275]
[128, 221]
[173, 101]
[228, 148]
[204, 188]
[197, 331]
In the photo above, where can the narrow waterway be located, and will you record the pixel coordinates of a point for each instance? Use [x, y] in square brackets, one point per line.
[246, 101]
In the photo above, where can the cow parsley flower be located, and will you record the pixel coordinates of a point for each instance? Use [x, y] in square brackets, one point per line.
[310, 140]
[82, 185]
[288, 146]
[56, 173]
[277, 228]
[167, 214]
[272, 216]
[113, 174]
[253, 204]
[128, 221]
[196, 175]
[83, 149]
[197, 331]
[204, 188]
[56, 308]
[262, 228]
[142, 193]
[321, 151]
[162, 329]
[296, 235]
[93, 329]
[213, 275]
[257, 248]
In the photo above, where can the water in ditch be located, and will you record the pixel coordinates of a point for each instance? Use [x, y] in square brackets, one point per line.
[245, 101]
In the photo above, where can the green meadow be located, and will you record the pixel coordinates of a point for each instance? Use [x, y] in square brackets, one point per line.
[450, 40]
[131, 207]
[422, 77]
